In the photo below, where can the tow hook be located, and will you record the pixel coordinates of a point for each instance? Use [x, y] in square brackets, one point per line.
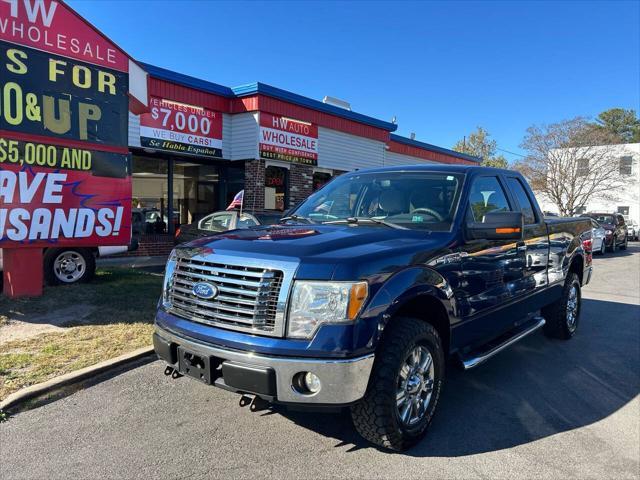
[168, 371]
[259, 404]
[256, 404]
[173, 372]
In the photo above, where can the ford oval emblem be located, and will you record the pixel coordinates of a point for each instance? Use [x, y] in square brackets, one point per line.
[205, 290]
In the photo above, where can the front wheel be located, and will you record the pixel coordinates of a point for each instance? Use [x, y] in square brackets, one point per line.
[562, 316]
[68, 265]
[404, 387]
[624, 245]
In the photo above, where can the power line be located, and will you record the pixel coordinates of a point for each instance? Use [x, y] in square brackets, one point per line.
[512, 153]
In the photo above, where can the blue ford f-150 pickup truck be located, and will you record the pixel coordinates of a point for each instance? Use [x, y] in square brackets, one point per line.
[360, 295]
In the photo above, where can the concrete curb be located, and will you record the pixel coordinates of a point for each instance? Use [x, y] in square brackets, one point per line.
[86, 373]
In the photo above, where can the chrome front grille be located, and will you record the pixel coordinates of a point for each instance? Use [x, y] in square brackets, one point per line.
[249, 297]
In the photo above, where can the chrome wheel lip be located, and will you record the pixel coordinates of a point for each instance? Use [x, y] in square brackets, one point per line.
[69, 266]
[573, 301]
[415, 385]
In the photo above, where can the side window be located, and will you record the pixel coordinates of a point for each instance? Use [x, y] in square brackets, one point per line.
[523, 200]
[486, 196]
[245, 221]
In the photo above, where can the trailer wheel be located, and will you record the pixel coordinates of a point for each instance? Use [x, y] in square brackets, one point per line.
[68, 265]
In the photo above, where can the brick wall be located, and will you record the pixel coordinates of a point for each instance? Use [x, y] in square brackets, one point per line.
[254, 185]
[152, 245]
[300, 183]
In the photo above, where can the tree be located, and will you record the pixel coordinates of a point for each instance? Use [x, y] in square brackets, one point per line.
[478, 144]
[570, 162]
[623, 125]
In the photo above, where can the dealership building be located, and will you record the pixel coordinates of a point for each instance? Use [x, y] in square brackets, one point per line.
[201, 143]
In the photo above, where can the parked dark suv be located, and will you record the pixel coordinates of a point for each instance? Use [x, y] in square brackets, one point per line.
[615, 229]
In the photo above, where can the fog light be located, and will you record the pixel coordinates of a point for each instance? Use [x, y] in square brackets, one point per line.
[312, 382]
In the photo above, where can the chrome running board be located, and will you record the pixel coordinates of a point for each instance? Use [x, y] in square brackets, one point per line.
[476, 358]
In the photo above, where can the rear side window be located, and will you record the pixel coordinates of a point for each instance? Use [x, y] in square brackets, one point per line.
[523, 199]
[487, 196]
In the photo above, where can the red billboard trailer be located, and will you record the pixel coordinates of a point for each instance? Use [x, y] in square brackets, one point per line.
[286, 139]
[65, 175]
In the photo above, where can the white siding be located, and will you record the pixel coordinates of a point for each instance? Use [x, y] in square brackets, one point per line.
[244, 136]
[341, 151]
[134, 130]
[392, 159]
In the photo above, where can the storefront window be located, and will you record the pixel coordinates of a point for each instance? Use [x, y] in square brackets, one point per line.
[195, 191]
[275, 188]
[150, 199]
[319, 179]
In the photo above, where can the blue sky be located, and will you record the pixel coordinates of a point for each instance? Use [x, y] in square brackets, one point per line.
[441, 68]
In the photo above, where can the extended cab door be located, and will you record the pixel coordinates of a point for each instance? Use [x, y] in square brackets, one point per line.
[492, 275]
[536, 239]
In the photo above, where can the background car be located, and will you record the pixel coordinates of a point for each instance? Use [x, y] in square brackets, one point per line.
[615, 229]
[598, 235]
[222, 221]
[632, 229]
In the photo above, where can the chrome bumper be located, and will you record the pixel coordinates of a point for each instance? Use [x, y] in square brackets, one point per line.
[343, 381]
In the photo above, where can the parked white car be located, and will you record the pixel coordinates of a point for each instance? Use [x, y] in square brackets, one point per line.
[72, 264]
[598, 234]
[632, 229]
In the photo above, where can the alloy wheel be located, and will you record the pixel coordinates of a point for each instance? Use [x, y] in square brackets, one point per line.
[572, 308]
[415, 386]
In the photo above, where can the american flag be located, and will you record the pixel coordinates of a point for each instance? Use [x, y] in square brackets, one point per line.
[237, 201]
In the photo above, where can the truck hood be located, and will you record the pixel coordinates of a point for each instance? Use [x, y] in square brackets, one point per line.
[321, 249]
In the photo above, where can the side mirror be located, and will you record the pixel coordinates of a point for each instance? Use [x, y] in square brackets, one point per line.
[497, 226]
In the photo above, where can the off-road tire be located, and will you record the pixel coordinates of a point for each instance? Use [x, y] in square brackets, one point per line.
[375, 417]
[555, 314]
[49, 260]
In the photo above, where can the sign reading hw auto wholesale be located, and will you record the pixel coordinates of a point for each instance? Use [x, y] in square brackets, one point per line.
[282, 138]
[65, 176]
[181, 128]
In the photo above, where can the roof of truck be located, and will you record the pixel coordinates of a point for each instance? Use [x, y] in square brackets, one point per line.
[437, 167]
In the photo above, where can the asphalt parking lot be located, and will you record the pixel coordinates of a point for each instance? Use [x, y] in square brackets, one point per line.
[542, 409]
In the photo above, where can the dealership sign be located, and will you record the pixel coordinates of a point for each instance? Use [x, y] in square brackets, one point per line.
[283, 138]
[65, 175]
[183, 128]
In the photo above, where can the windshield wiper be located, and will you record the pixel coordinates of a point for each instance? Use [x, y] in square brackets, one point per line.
[296, 218]
[356, 221]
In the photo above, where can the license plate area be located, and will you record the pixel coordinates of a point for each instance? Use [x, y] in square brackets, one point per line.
[201, 367]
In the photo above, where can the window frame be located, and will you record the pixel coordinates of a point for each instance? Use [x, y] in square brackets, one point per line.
[536, 217]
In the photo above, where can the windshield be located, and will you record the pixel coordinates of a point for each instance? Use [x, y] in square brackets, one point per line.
[418, 200]
[604, 218]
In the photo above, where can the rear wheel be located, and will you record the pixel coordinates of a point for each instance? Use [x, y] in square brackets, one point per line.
[68, 265]
[563, 315]
[404, 387]
[603, 247]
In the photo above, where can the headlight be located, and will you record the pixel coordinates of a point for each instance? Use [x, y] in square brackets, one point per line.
[315, 303]
[608, 232]
[167, 284]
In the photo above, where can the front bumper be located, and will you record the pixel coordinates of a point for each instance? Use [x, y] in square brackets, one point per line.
[344, 381]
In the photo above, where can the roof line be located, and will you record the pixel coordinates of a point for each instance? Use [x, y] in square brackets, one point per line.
[287, 96]
[428, 146]
[188, 81]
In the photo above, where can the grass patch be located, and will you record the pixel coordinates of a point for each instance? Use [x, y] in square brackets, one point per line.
[122, 321]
